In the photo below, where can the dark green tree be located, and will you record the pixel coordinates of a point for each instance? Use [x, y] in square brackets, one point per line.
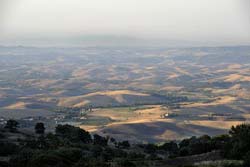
[124, 144]
[73, 134]
[150, 148]
[126, 163]
[39, 128]
[12, 125]
[99, 140]
[239, 145]
[170, 147]
[219, 142]
[7, 148]
[247, 159]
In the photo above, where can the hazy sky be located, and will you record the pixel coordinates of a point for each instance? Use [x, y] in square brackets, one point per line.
[218, 21]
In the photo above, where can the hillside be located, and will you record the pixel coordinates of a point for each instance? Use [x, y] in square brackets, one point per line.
[111, 98]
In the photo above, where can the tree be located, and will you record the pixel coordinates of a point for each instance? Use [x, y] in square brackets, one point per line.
[124, 144]
[99, 140]
[92, 162]
[196, 145]
[53, 141]
[126, 163]
[170, 147]
[73, 134]
[1, 136]
[12, 125]
[150, 148]
[22, 158]
[112, 140]
[39, 128]
[239, 145]
[247, 159]
[8, 148]
[219, 142]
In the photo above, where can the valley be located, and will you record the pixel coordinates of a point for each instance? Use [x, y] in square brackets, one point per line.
[141, 94]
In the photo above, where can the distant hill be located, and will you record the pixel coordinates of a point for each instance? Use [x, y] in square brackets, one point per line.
[111, 98]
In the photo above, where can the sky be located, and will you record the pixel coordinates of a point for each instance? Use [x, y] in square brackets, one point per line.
[212, 22]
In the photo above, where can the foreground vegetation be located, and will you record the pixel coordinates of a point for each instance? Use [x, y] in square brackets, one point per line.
[71, 146]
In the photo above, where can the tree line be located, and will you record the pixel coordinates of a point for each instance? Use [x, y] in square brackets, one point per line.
[72, 146]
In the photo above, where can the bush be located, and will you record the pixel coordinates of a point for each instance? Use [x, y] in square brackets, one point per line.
[7, 148]
[1, 136]
[63, 157]
[247, 160]
[22, 158]
[126, 163]
[91, 162]
[49, 159]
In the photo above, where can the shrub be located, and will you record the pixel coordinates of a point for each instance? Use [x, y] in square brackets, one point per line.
[7, 148]
[22, 158]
